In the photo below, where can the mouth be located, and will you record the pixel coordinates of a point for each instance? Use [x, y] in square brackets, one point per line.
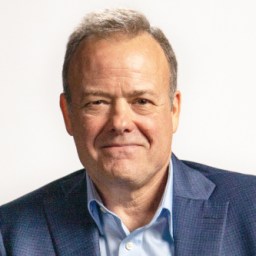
[122, 150]
[117, 145]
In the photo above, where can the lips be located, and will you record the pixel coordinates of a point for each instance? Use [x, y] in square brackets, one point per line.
[121, 150]
[116, 145]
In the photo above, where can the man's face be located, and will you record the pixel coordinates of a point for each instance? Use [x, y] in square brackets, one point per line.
[121, 115]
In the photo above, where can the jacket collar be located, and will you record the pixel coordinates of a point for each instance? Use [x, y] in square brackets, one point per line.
[190, 183]
[72, 229]
[199, 221]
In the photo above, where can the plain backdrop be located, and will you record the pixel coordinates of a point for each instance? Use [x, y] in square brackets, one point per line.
[215, 44]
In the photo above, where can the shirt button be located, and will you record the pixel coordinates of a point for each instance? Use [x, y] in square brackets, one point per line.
[129, 246]
[102, 209]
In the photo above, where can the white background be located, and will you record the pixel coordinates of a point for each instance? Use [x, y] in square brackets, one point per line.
[215, 43]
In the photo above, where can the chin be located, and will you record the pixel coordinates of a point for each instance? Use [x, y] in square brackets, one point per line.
[121, 169]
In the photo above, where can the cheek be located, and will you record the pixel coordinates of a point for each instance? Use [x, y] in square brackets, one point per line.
[157, 129]
[149, 130]
[86, 129]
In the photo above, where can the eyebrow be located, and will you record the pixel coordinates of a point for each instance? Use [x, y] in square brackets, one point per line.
[95, 93]
[135, 93]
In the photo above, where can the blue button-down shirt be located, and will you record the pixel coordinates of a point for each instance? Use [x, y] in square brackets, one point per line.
[156, 238]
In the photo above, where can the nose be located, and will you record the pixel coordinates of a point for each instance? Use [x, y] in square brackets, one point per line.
[121, 117]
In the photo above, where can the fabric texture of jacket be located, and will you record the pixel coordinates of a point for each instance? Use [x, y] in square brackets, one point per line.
[214, 214]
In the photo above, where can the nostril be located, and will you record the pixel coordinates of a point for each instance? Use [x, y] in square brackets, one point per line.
[121, 124]
[120, 129]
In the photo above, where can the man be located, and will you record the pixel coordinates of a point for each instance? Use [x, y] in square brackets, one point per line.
[121, 105]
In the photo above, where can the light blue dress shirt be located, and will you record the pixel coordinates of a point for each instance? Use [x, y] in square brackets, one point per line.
[154, 239]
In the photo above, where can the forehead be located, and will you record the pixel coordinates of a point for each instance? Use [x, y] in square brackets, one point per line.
[137, 53]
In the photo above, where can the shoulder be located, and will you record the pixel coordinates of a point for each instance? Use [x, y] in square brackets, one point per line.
[238, 191]
[31, 203]
[233, 181]
[24, 226]
[237, 188]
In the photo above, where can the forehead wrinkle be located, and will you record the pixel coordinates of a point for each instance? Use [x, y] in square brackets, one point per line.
[113, 74]
[134, 61]
[116, 82]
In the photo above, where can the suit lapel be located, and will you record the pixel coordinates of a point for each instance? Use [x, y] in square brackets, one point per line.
[72, 229]
[198, 222]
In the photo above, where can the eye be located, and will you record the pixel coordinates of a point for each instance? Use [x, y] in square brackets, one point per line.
[98, 102]
[142, 101]
[95, 104]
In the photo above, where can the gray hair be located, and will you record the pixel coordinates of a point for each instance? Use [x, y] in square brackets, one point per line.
[117, 21]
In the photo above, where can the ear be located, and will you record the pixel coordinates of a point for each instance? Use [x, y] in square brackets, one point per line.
[176, 105]
[66, 112]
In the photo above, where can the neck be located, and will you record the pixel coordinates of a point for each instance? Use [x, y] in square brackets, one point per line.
[134, 206]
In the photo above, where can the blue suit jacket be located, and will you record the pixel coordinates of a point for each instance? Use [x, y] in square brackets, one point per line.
[214, 213]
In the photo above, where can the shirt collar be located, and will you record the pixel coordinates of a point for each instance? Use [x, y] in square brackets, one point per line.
[167, 200]
[95, 203]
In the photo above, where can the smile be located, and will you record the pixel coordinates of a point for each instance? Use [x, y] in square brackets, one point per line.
[121, 145]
